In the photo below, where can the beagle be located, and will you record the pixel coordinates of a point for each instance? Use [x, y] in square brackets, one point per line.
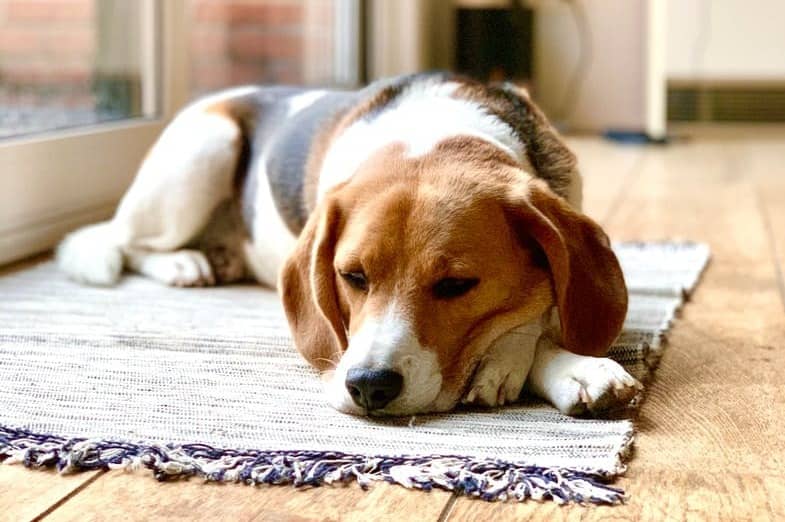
[425, 234]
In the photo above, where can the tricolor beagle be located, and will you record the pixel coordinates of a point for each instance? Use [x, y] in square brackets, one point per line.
[425, 235]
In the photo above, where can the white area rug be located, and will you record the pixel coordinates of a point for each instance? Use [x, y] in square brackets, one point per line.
[205, 382]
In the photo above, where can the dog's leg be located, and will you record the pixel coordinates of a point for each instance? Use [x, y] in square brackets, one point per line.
[179, 268]
[223, 242]
[502, 372]
[577, 384]
[186, 175]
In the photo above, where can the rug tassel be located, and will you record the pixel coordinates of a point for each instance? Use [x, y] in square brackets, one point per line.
[488, 479]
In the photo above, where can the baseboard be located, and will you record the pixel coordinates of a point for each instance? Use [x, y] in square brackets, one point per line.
[32, 238]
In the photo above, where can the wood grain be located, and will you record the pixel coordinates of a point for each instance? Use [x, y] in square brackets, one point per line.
[27, 494]
[762, 158]
[607, 171]
[660, 495]
[137, 496]
[710, 444]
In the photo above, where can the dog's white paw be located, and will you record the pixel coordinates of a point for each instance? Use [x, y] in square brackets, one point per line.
[189, 268]
[180, 268]
[501, 374]
[596, 385]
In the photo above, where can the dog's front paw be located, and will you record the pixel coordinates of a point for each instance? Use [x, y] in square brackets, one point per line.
[597, 385]
[500, 376]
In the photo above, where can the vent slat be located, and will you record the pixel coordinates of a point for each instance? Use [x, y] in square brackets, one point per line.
[726, 103]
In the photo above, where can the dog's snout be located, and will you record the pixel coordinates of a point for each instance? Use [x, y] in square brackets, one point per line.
[373, 389]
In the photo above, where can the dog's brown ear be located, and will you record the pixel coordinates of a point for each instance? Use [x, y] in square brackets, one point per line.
[308, 290]
[588, 283]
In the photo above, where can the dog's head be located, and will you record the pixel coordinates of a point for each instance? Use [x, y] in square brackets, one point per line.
[404, 276]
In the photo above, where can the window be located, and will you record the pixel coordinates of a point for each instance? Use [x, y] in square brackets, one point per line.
[65, 64]
[296, 42]
[86, 86]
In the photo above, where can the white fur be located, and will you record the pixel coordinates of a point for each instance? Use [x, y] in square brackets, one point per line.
[179, 268]
[425, 115]
[272, 240]
[503, 370]
[301, 101]
[226, 94]
[187, 173]
[577, 383]
[91, 255]
[388, 342]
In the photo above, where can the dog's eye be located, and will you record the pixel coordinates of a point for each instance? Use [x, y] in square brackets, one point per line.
[451, 287]
[357, 280]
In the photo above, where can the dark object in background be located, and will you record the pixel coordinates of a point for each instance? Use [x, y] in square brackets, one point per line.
[495, 44]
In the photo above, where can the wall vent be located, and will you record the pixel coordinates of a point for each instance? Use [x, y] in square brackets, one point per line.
[729, 103]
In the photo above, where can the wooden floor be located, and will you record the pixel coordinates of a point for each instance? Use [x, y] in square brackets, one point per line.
[711, 441]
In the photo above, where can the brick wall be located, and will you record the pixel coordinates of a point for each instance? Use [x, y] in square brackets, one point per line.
[257, 41]
[47, 46]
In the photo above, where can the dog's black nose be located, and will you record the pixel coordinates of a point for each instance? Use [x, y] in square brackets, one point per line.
[373, 389]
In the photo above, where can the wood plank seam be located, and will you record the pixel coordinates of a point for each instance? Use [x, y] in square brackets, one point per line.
[444, 515]
[48, 511]
[774, 251]
[622, 190]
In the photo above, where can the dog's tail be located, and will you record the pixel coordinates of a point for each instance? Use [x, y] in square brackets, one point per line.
[92, 255]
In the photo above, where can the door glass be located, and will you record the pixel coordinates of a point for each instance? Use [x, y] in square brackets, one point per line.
[66, 63]
[266, 42]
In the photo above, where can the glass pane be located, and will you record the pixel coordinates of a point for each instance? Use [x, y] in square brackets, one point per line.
[262, 42]
[65, 63]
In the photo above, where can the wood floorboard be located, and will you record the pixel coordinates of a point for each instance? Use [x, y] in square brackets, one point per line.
[710, 443]
[763, 160]
[137, 496]
[27, 494]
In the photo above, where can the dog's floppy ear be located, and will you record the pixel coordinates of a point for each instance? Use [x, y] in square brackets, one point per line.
[588, 283]
[308, 290]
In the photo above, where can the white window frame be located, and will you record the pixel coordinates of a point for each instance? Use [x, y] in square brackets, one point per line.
[53, 182]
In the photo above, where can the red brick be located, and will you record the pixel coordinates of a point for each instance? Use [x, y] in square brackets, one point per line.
[251, 45]
[16, 41]
[208, 42]
[209, 76]
[45, 74]
[48, 10]
[33, 44]
[271, 14]
[74, 42]
[287, 73]
[244, 73]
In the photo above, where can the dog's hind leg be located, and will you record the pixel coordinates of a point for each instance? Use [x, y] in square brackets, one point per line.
[215, 256]
[186, 175]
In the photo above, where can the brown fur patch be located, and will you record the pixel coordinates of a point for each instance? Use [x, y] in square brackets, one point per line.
[242, 111]
[552, 160]
[408, 223]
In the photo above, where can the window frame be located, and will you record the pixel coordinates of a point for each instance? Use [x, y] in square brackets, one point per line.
[41, 199]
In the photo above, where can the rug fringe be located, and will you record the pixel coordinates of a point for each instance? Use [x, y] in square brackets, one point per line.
[487, 479]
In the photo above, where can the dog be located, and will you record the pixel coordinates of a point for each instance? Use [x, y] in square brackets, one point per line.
[425, 235]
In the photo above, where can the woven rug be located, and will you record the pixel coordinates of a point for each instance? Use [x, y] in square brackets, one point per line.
[205, 382]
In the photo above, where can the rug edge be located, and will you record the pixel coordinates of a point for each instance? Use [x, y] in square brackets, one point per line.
[486, 479]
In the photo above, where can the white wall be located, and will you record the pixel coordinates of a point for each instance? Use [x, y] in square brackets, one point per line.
[612, 92]
[726, 39]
